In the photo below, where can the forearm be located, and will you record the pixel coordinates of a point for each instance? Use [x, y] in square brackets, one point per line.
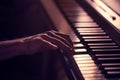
[11, 48]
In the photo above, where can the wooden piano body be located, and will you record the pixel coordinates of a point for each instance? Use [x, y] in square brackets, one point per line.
[95, 31]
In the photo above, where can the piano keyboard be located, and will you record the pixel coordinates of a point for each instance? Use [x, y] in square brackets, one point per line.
[97, 55]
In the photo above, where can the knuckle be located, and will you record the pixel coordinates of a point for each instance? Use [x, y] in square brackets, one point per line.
[45, 34]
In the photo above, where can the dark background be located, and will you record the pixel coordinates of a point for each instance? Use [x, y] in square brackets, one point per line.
[21, 18]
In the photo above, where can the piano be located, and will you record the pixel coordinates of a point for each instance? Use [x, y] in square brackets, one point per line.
[94, 27]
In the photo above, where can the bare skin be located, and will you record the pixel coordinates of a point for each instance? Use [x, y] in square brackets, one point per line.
[50, 40]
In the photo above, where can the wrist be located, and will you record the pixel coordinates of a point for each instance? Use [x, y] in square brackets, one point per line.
[31, 45]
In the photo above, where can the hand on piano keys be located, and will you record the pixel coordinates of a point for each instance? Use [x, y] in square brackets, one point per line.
[43, 42]
[53, 40]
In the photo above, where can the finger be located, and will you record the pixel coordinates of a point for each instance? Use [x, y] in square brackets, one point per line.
[58, 43]
[64, 36]
[52, 34]
[44, 44]
[54, 40]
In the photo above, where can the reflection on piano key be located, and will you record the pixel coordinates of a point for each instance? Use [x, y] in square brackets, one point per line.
[95, 44]
[81, 62]
[91, 72]
[80, 50]
[91, 34]
[78, 45]
[98, 40]
[89, 29]
[85, 31]
[96, 37]
[93, 24]
[88, 68]
[113, 72]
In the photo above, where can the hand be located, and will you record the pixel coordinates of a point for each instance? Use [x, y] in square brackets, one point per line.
[52, 40]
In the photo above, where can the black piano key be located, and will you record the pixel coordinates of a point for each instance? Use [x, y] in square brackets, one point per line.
[112, 76]
[104, 47]
[112, 68]
[105, 50]
[115, 64]
[109, 59]
[105, 55]
[113, 72]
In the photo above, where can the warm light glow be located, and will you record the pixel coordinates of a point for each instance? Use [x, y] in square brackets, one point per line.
[80, 50]
[86, 24]
[78, 45]
[87, 67]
